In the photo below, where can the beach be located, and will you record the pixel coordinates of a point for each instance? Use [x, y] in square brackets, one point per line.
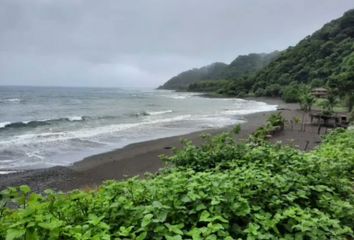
[140, 158]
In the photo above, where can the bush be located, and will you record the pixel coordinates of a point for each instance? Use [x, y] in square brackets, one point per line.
[260, 92]
[291, 94]
[248, 192]
[274, 123]
[315, 83]
[273, 90]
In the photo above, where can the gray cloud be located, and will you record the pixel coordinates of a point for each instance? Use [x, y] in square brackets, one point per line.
[143, 43]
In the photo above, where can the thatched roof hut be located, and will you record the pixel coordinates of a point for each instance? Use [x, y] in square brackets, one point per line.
[320, 92]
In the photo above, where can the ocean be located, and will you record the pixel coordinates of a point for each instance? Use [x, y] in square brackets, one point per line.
[47, 126]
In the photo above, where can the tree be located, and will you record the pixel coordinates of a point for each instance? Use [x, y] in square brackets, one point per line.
[306, 102]
[291, 94]
[273, 90]
[344, 82]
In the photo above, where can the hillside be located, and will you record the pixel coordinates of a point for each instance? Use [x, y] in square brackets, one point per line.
[323, 59]
[182, 80]
[243, 65]
[314, 60]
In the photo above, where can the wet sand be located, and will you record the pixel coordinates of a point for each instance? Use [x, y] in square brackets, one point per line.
[140, 158]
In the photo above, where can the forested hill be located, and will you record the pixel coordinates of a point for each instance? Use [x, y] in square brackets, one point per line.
[314, 60]
[323, 59]
[243, 65]
[184, 79]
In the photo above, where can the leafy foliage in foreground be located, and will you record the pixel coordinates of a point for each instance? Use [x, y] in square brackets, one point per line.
[250, 191]
[221, 150]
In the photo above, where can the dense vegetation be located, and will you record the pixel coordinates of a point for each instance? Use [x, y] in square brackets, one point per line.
[217, 72]
[220, 190]
[324, 59]
[247, 65]
[184, 79]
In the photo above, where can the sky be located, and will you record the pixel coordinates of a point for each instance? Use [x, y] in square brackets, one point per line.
[143, 43]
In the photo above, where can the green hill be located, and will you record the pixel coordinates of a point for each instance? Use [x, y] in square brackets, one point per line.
[243, 65]
[325, 58]
[182, 80]
[315, 60]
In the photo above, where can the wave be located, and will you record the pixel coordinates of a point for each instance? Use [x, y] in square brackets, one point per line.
[4, 124]
[6, 172]
[179, 97]
[76, 118]
[85, 133]
[10, 100]
[159, 112]
[260, 107]
[151, 113]
[185, 95]
[37, 123]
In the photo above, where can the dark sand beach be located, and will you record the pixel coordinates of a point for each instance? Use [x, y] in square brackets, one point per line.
[140, 158]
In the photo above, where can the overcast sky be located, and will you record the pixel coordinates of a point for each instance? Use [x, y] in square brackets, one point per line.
[142, 43]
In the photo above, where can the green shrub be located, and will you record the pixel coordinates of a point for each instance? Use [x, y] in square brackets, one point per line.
[248, 192]
[276, 120]
[273, 90]
[274, 123]
[260, 92]
[291, 94]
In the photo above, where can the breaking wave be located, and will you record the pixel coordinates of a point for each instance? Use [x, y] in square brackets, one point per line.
[10, 100]
[86, 132]
[152, 113]
[159, 112]
[37, 123]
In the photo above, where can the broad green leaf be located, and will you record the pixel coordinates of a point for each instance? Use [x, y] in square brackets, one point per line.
[25, 189]
[12, 234]
[204, 217]
[146, 220]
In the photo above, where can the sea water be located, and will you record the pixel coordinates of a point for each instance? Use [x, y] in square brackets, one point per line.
[47, 126]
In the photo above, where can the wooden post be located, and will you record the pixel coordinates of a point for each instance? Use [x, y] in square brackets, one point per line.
[307, 144]
[319, 129]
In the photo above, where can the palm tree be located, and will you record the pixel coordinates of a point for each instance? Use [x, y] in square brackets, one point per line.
[306, 102]
[328, 104]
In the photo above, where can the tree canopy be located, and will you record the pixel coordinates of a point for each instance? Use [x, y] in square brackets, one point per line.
[243, 65]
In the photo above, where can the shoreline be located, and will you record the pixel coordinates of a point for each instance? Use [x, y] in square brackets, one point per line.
[138, 158]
